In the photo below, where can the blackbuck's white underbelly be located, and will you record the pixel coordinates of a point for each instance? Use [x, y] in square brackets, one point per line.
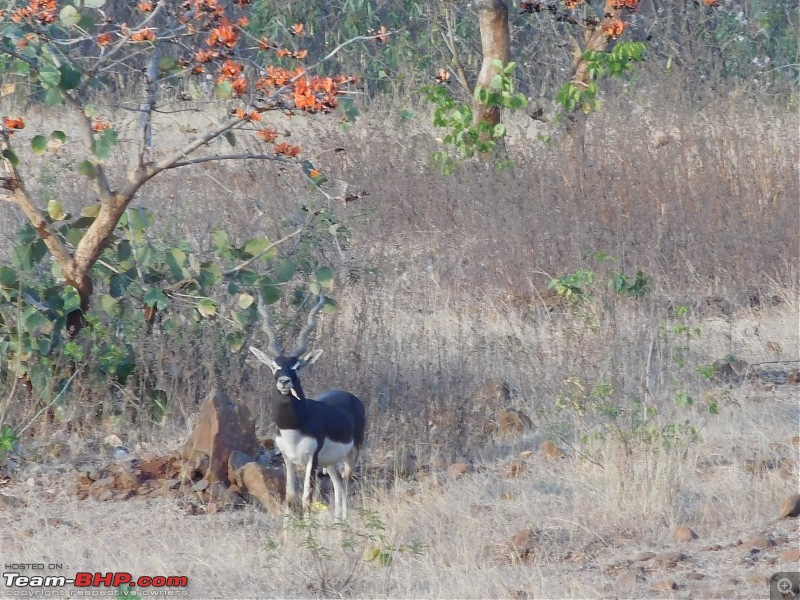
[299, 448]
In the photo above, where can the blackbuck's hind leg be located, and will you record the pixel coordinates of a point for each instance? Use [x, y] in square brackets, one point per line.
[339, 494]
[291, 486]
[308, 483]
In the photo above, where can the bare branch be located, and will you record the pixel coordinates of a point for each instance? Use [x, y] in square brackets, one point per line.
[242, 265]
[450, 41]
[244, 156]
[146, 141]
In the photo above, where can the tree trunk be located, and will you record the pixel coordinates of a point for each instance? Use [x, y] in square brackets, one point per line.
[495, 44]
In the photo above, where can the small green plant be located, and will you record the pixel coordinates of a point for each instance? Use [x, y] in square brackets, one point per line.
[337, 551]
[572, 287]
[576, 96]
[462, 135]
[7, 440]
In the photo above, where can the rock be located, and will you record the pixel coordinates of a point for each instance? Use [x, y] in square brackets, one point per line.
[223, 494]
[628, 579]
[664, 585]
[268, 486]
[7, 501]
[760, 541]
[127, 480]
[791, 556]
[790, 507]
[683, 533]
[695, 576]
[101, 487]
[457, 470]
[221, 428]
[159, 467]
[512, 422]
[549, 450]
[734, 370]
[515, 468]
[523, 542]
[670, 559]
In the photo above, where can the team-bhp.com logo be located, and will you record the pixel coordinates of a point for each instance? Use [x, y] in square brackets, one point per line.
[89, 584]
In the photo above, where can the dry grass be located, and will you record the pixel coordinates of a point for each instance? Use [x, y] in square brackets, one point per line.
[460, 298]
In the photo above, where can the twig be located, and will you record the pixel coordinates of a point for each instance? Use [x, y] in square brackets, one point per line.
[63, 389]
[242, 265]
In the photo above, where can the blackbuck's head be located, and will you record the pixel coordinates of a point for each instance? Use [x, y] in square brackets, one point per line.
[286, 366]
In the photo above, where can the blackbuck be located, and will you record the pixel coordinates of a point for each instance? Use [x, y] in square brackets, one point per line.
[325, 432]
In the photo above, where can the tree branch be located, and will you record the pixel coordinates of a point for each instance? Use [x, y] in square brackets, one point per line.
[242, 265]
[246, 156]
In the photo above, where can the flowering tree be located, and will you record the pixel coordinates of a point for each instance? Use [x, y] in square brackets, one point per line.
[69, 52]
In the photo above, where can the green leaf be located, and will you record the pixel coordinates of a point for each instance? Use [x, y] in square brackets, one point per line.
[10, 156]
[72, 301]
[256, 246]
[70, 77]
[176, 258]
[222, 244]
[230, 137]
[104, 144]
[8, 277]
[145, 256]
[39, 144]
[94, 3]
[271, 293]
[499, 131]
[69, 16]
[20, 67]
[36, 323]
[224, 90]
[86, 168]
[284, 271]
[55, 210]
[325, 277]
[119, 283]
[207, 308]
[109, 305]
[90, 110]
[210, 275]
[155, 298]
[49, 75]
[53, 98]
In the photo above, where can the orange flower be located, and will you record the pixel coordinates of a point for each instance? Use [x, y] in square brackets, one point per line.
[265, 44]
[104, 39]
[382, 34]
[300, 54]
[243, 22]
[145, 6]
[570, 4]
[239, 113]
[283, 52]
[298, 29]
[254, 116]
[99, 125]
[269, 135]
[144, 35]
[231, 69]
[614, 27]
[287, 150]
[239, 86]
[204, 56]
[13, 123]
[223, 35]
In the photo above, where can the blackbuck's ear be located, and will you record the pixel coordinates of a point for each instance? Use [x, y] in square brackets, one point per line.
[309, 358]
[264, 358]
